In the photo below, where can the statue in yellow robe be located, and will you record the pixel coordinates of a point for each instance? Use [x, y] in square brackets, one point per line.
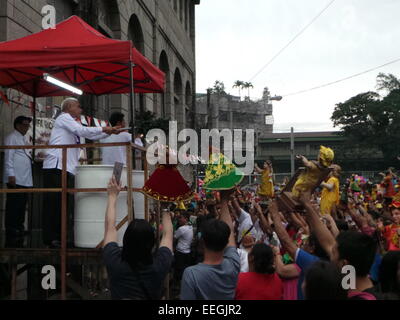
[330, 191]
[310, 178]
[266, 188]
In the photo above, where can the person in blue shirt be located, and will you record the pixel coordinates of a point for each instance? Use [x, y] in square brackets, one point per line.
[305, 256]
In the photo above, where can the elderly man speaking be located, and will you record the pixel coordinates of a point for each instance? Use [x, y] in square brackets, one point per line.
[66, 130]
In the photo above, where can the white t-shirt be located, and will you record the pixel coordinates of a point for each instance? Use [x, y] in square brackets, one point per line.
[245, 223]
[111, 155]
[244, 262]
[184, 235]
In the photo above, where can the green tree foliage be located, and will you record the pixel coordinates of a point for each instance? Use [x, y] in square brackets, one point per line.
[387, 82]
[371, 120]
[218, 88]
[147, 120]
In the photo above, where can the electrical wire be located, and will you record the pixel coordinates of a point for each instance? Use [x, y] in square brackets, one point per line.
[291, 41]
[340, 80]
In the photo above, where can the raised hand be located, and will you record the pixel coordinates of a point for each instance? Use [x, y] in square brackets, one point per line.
[113, 187]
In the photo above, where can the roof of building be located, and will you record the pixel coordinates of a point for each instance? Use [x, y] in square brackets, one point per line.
[303, 136]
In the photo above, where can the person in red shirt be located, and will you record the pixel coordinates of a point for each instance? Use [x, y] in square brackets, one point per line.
[392, 232]
[262, 282]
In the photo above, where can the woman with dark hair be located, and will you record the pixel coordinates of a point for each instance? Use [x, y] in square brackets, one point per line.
[262, 282]
[133, 272]
[389, 276]
[323, 281]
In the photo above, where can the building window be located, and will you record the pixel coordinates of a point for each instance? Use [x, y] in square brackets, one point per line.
[223, 116]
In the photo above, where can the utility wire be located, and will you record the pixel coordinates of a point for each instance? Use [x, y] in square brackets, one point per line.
[291, 41]
[343, 79]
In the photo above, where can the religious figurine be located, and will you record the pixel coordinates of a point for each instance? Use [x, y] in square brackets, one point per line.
[306, 179]
[266, 188]
[330, 191]
[166, 184]
[221, 173]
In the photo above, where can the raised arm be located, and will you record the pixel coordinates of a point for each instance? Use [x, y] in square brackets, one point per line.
[284, 238]
[257, 168]
[264, 224]
[324, 236]
[93, 133]
[110, 231]
[236, 207]
[284, 271]
[226, 217]
[306, 163]
[167, 230]
[357, 218]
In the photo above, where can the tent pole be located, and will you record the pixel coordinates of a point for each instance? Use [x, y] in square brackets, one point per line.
[34, 126]
[131, 101]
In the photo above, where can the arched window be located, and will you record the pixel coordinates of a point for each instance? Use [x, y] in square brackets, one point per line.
[179, 110]
[165, 108]
[135, 34]
[189, 112]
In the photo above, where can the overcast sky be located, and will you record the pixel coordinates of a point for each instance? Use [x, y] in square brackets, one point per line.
[236, 38]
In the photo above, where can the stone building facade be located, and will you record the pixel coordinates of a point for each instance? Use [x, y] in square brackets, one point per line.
[225, 111]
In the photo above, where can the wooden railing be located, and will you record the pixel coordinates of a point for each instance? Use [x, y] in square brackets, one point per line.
[65, 190]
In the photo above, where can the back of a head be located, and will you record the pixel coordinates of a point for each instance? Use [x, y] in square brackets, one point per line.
[138, 243]
[215, 234]
[263, 258]
[115, 118]
[358, 249]
[323, 281]
[186, 215]
[389, 272]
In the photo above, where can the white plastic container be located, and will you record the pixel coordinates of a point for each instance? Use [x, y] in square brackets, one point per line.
[90, 207]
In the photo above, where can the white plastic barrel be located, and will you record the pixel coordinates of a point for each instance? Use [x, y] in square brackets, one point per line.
[90, 207]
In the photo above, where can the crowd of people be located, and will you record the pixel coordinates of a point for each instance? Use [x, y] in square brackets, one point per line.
[340, 241]
[344, 243]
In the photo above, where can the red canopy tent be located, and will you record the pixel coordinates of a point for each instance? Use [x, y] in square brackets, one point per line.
[77, 54]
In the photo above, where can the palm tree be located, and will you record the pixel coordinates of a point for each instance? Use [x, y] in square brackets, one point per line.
[247, 85]
[238, 84]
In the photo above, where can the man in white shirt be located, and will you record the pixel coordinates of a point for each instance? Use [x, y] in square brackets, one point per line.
[111, 155]
[66, 130]
[245, 223]
[17, 175]
[184, 237]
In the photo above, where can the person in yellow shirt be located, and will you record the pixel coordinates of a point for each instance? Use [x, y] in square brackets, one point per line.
[330, 191]
[266, 188]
